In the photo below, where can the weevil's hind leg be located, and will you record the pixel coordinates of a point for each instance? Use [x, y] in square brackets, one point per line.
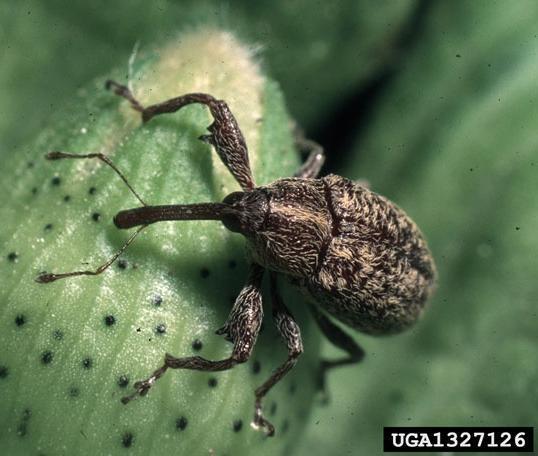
[242, 328]
[47, 277]
[225, 135]
[316, 156]
[290, 332]
[341, 340]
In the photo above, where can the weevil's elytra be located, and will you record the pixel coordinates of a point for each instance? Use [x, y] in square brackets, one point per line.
[354, 254]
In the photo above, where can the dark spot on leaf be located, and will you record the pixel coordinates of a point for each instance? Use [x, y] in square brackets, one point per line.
[237, 425]
[87, 363]
[13, 256]
[396, 396]
[157, 300]
[46, 357]
[122, 264]
[4, 371]
[74, 391]
[123, 381]
[56, 181]
[110, 320]
[212, 382]
[92, 190]
[127, 439]
[48, 227]
[67, 198]
[204, 273]
[96, 216]
[256, 367]
[160, 328]
[34, 190]
[181, 423]
[197, 345]
[293, 388]
[458, 55]
[20, 320]
[518, 228]
[138, 330]
[232, 264]
[30, 164]
[272, 409]
[58, 334]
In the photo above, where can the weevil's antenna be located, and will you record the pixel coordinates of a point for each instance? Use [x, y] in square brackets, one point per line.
[56, 155]
[47, 277]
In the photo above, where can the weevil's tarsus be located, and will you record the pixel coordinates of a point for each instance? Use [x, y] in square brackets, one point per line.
[151, 214]
[47, 277]
[316, 156]
[225, 135]
[124, 92]
[242, 328]
[338, 338]
[57, 155]
[290, 332]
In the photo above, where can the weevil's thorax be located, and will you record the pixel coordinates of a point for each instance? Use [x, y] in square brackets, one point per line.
[296, 227]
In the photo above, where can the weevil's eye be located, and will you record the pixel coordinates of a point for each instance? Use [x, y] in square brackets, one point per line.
[233, 198]
[248, 211]
[232, 221]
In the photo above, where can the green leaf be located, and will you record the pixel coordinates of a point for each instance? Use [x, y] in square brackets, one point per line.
[79, 40]
[69, 348]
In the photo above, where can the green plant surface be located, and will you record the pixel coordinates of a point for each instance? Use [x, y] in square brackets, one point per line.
[49, 49]
[454, 142]
[69, 347]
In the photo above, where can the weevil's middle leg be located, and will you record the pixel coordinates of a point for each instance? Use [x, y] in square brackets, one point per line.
[341, 340]
[225, 135]
[290, 332]
[242, 328]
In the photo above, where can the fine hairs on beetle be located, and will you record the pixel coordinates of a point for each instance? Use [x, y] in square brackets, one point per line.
[355, 255]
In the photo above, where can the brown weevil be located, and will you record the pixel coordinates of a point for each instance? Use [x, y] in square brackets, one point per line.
[354, 254]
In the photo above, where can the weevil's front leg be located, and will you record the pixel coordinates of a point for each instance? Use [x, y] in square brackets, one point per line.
[290, 332]
[341, 340]
[242, 329]
[225, 135]
[316, 157]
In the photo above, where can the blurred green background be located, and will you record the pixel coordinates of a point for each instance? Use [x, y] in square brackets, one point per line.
[435, 103]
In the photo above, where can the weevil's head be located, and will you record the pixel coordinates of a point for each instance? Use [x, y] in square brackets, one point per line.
[248, 211]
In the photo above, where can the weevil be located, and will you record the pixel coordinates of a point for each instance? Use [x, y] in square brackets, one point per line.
[356, 256]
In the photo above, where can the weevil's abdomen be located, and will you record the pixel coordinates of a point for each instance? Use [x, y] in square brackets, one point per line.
[375, 273]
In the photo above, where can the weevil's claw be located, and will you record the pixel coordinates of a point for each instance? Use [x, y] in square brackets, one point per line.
[260, 423]
[46, 277]
[141, 389]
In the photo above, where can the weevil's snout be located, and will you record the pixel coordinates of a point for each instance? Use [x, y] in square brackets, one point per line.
[248, 211]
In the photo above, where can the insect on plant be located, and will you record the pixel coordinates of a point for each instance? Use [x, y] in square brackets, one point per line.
[356, 255]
